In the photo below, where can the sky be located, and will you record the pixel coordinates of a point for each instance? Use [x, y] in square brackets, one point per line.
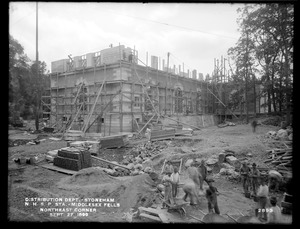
[193, 33]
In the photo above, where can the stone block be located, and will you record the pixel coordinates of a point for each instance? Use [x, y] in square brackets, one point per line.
[233, 161]
[212, 161]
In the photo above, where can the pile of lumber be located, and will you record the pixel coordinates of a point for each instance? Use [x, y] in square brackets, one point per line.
[73, 159]
[157, 135]
[281, 159]
[184, 132]
[110, 143]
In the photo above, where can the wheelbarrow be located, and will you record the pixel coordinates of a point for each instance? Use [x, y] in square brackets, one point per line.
[177, 207]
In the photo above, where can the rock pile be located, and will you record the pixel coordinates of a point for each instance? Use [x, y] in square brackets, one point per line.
[139, 160]
[282, 134]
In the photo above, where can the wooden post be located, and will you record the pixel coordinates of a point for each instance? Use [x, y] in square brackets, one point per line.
[109, 124]
[105, 98]
[121, 107]
[131, 106]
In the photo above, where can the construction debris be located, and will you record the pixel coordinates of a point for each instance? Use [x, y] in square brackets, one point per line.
[226, 124]
[280, 159]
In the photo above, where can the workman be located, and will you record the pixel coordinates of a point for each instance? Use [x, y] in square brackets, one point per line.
[168, 167]
[254, 125]
[275, 179]
[194, 175]
[244, 172]
[175, 181]
[254, 178]
[203, 172]
[167, 182]
[211, 196]
[262, 194]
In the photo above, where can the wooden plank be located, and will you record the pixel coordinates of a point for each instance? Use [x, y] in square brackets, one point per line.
[163, 218]
[158, 212]
[58, 169]
[109, 162]
[150, 217]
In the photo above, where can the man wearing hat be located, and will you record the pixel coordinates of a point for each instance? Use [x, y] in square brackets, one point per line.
[167, 182]
[244, 172]
[254, 178]
[168, 167]
[211, 196]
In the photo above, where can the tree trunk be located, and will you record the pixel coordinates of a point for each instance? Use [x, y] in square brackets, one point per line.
[272, 91]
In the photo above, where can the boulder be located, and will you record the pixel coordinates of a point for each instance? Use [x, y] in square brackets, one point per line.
[148, 170]
[271, 133]
[138, 167]
[188, 163]
[134, 173]
[227, 166]
[209, 169]
[221, 158]
[249, 155]
[147, 163]
[130, 166]
[52, 153]
[282, 134]
[224, 171]
[212, 161]
[232, 161]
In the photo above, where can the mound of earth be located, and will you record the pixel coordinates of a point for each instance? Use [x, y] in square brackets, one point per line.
[129, 192]
[88, 176]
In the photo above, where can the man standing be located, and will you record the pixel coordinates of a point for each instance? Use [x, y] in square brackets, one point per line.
[168, 167]
[244, 172]
[274, 213]
[211, 196]
[254, 178]
[254, 125]
[175, 181]
[203, 172]
[167, 182]
[262, 194]
[194, 175]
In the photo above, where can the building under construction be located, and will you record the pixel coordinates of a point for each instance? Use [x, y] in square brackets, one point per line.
[112, 92]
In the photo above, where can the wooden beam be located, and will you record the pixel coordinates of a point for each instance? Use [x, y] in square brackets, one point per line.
[150, 217]
[101, 114]
[146, 124]
[222, 103]
[92, 111]
[109, 162]
[182, 122]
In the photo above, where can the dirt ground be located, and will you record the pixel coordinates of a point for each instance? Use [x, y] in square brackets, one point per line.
[30, 181]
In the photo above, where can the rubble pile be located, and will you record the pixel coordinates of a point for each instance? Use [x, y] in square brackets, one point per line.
[280, 159]
[138, 160]
[282, 134]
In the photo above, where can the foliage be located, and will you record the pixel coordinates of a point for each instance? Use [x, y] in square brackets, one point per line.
[25, 85]
[264, 52]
